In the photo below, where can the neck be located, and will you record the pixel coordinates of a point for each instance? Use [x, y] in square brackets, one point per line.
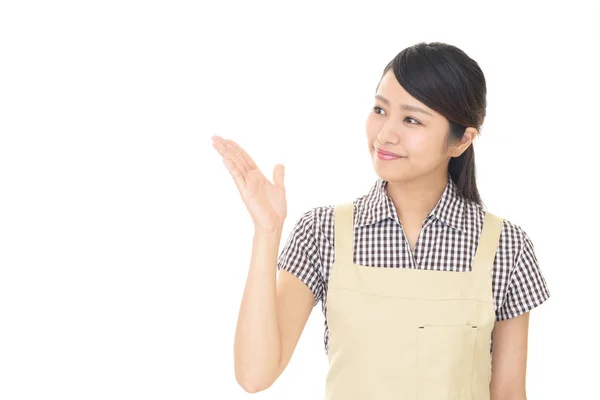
[415, 199]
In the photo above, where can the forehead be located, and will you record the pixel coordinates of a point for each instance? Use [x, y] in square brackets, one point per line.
[396, 94]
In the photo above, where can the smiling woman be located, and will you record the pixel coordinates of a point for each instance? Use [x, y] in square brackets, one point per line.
[414, 277]
[424, 112]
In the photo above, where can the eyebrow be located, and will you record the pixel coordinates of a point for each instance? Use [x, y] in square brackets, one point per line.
[407, 107]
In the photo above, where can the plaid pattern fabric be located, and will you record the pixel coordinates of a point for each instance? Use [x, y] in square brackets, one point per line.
[448, 242]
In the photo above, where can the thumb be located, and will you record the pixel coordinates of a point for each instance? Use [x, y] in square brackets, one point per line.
[278, 174]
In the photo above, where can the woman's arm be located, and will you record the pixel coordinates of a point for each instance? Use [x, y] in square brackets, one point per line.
[272, 316]
[509, 358]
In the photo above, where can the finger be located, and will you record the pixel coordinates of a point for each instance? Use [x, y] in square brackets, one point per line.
[237, 156]
[228, 152]
[236, 174]
[238, 152]
[245, 155]
[249, 162]
[219, 144]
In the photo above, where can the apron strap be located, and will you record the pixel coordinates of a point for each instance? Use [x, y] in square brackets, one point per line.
[484, 255]
[343, 236]
[488, 244]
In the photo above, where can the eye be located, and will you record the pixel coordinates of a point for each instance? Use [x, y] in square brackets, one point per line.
[377, 108]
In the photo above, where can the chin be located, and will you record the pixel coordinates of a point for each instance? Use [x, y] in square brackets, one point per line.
[390, 172]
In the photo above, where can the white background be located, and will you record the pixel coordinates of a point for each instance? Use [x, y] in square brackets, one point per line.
[124, 245]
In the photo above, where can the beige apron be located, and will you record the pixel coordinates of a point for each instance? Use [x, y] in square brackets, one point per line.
[409, 334]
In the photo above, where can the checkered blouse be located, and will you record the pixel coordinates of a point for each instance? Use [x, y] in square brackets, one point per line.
[447, 242]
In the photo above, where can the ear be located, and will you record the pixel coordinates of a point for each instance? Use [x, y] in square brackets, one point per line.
[463, 144]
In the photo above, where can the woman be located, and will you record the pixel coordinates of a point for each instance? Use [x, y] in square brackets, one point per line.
[415, 276]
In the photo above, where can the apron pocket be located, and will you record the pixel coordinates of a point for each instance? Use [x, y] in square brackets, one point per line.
[445, 361]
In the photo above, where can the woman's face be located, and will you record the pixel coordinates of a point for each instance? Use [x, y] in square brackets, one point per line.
[401, 124]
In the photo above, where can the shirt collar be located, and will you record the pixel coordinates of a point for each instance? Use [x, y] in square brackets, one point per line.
[376, 206]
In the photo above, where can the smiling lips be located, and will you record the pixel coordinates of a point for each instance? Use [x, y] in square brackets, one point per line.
[387, 155]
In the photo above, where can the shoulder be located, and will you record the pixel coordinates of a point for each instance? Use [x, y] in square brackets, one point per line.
[312, 220]
[513, 238]
[521, 283]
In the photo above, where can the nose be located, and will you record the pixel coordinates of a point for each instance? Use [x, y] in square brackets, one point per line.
[387, 137]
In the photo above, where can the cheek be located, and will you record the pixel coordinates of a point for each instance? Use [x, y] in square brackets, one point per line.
[427, 150]
[422, 148]
[416, 144]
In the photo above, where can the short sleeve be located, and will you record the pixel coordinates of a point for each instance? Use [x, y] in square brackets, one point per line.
[527, 287]
[300, 255]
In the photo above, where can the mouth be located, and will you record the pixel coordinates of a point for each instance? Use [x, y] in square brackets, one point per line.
[387, 154]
